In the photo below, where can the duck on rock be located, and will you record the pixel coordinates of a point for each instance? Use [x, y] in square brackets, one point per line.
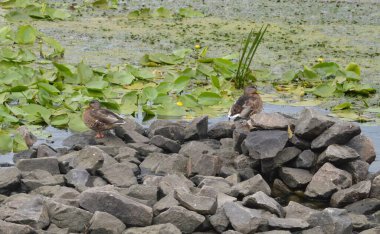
[248, 104]
[100, 119]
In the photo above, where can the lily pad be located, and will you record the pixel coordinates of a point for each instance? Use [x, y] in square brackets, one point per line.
[209, 98]
[324, 90]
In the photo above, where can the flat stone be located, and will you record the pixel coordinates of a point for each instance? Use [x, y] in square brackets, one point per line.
[360, 222]
[130, 136]
[26, 154]
[38, 178]
[119, 174]
[218, 183]
[144, 149]
[166, 228]
[357, 168]
[326, 181]
[171, 164]
[269, 121]
[54, 229]
[9, 179]
[204, 164]
[306, 160]
[165, 203]
[352, 194]
[339, 133]
[294, 177]
[311, 124]
[337, 154]
[64, 216]
[45, 151]
[151, 163]
[102, 222]
[200, 204]
[195, 148]
[286, 155]
[260, 200]
[314, 230]
[173, 131]
[130, 124]
[366, 206]
[144, 192]
[14, 228]
[375, 189]
[364, 146]
[251, 186]
[80, 140]
[108, 200]
[77, 178]
[332, 220]
[374, 230]
[256, 143]
[287, 223]
[197, 129]
[298, 211]
[224, 198]
[219, 220]
[185, 220]
[170, 182]
[221, 129]
[166, 144]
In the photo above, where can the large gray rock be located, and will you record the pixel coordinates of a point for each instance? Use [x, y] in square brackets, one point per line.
[77, 178]
[223, 199]
[352, 194]
[144, 149]
[204, 164]
[13, 228]
[366, 206]
[337, 154]
[171, 130]
[251, 186]
[166, 228]
[287, 223]
[130, 136]
[197, 128]
[340, 133]
[326, 181]
[9, 179]
[375, 189]
[311, 124]
[238, 136]
[49, 164]
[269, 121]
[221, 129]
[262, 201]
[185, 220]
[299, 142]
[166, 144]
[286, 155]
[256, 143]
[196, 148]
[294, 177]
[173, 163]
[170, 182]
[314, 230]
[374, 230]
[25, 209]
[361, 222]
[364, 146]
[243, 219]
[130, 124]
[305, 160]
[200, 204]
[332, 220]
[64, 216]
[144, 192]
[38, 178]
[280, 189]
[219, 220]
[357, 168]
[165, 203]
[119, 174]
[106, 199]
[80, 140]
[126, 154]
[218, 183]
[104, 223]
[298, 211]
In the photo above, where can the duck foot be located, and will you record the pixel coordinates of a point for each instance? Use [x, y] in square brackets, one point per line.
[99, 135]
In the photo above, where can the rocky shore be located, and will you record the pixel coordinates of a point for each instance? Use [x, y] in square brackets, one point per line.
[273, 174]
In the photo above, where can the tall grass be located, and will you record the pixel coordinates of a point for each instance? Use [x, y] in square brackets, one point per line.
[251, 44]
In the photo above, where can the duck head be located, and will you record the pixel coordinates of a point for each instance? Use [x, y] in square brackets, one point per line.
[250, 90]
[95, 104]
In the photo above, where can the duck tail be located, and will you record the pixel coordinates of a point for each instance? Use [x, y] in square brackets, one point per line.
[120, 122]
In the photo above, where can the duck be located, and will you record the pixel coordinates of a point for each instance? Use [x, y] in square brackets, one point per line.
[28, 137]
[248, 104]
[100, 119]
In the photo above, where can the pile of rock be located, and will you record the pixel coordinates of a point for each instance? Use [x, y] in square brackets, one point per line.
[179, 177]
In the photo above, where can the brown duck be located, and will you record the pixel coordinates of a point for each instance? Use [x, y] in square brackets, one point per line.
[28, 137]
[99, 119]
[248, 104]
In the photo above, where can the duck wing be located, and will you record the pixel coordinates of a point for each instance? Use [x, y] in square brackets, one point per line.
[106, 116]
[238, 106]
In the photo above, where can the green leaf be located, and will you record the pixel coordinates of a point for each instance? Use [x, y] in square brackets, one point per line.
[48, 88]
[342, 106]
[60, 120]
[140, 14]
[324, 90]
[206, 70]
[6, 142]
[15, 89]
[309, 74]
[373, 110]
[170, 110]
[289, 76]
[141, 73]
[150, 93]
[19, 143]
[64, 69]
[164, 87]
[121, 77]
[85, 72]
[97, 85]
[163, 99]
[55, 44]
[163, 12]
[180, 83]
[215, 82]
[362, 89]
[26, 34]
[5, 117]
[326, 68]
[209, 98]
[353, 67]
[56, 14]
[165, 59]
[350, 75]
[76, 123]
[188, 101]
[189, 13]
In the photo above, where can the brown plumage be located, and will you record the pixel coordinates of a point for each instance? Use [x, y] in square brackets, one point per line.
[248, 104]
[99, 119]
[29, 137]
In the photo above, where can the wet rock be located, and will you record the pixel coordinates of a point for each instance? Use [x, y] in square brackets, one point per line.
[38, 178]
[144, 149]
[251, 186]
[219, 220]
[204, 165]
[360, 222]
[144, 192]
[260, 200]
[9, 179]
[195, 148]
[357, 168]
[280, 189]
[352, 194]
[100, 198]
[165, 203]
[173, 131]
[218, 183]
[26, 154]
[45, 151]
[197, 129]
[366, 206]
[326, 181]
[243, 219]
[337, 154]
[130, 136]
[200, 204]
[298, 211]
[294, 177]
[311, 124]
[332, 220]
[13, 228]
[49, 164]
[104, 223]
[269, 121]
[165, 144]
[119, 174]
[77, 178]
[375, 189]
[364, 146]
[305, 160]
[64, 216]
[256, 143]
[166, 228]
[25, 209]
[221, 129]
[170, 182]
[185, 220]
[339, 133]
[300, 143]
[80, 140]
[287, 223]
